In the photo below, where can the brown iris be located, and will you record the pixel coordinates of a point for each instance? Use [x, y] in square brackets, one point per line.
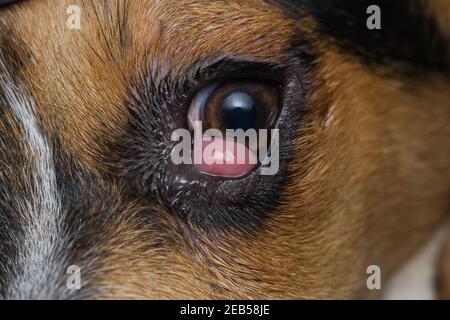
[241, 105]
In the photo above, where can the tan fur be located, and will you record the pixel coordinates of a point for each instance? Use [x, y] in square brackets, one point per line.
[372, 170]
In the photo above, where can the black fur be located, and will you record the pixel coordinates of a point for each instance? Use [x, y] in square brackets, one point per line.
[408, 35]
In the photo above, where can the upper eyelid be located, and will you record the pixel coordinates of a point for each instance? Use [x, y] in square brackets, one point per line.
[181, 86]
[228, 69]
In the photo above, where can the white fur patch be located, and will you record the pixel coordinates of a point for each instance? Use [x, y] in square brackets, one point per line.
[40, 210]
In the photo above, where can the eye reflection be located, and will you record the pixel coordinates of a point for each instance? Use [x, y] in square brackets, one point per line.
[239, 111]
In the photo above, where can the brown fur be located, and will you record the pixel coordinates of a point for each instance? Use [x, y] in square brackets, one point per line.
[371, 172]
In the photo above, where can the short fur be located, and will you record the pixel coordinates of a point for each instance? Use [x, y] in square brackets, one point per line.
[365, 167]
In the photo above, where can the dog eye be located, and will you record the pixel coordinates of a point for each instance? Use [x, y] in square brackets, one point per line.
[235, 105]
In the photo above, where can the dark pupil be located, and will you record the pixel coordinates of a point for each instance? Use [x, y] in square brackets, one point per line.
[239, 111]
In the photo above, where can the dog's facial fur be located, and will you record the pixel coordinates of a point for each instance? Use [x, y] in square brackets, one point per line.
[85, 123]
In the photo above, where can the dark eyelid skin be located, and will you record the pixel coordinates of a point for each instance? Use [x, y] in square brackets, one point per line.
[159, 106]
[237, 68]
